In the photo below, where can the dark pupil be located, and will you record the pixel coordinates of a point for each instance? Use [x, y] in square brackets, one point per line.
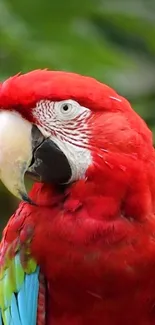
[65, 107]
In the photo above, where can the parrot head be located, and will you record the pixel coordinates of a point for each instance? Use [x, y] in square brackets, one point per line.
[60, 127]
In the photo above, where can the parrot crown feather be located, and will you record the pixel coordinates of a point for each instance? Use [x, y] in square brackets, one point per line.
[22, 92]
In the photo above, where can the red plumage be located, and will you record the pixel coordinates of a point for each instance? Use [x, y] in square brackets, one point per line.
[25, 90]
[94, 241]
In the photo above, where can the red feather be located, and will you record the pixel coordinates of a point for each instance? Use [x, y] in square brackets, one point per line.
[95, 242]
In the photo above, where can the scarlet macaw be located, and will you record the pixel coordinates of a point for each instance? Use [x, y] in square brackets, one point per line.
[80, 249]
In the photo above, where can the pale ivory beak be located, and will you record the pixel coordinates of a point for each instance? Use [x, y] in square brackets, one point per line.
[15, 152]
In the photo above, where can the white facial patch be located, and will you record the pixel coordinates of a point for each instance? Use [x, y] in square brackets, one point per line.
[65, 122]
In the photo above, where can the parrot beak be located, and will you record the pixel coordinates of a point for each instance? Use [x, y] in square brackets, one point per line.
[24, 150]
[15, 152]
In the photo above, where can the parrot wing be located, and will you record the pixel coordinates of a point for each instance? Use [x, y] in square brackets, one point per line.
[19, 285]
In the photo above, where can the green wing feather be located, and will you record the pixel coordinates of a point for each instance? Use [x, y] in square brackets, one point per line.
[16, 272]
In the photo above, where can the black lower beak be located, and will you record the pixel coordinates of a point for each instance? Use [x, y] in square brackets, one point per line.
[49, 163]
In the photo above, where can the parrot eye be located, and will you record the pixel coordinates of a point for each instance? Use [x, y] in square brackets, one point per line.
[67, 110]
[65, 107]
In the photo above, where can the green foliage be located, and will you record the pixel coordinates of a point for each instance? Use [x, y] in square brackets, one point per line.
[114, 41]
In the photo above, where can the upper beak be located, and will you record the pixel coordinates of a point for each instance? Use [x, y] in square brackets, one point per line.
[24, 149]
[15, 151]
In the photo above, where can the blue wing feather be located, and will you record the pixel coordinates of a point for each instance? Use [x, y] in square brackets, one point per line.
[14, 312]
[33, 287]
[22, 306]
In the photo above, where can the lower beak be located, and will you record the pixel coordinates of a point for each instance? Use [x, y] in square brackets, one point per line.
[24, 150]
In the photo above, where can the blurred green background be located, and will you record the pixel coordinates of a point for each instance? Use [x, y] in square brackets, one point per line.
[112, 40]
